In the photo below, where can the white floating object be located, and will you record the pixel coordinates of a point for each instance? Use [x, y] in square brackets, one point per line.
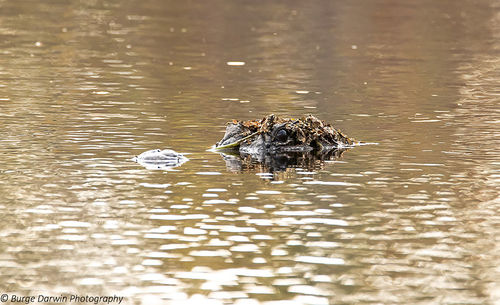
[160, 159]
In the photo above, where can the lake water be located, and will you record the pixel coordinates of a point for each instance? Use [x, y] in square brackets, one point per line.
[87, 85]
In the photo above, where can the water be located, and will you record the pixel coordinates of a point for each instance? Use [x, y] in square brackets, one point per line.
[85, 86]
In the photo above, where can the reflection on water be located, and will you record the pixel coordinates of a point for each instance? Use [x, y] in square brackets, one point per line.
[85, 86]
[280, 162]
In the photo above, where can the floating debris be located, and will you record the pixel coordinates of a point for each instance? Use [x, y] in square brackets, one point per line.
[160, 159]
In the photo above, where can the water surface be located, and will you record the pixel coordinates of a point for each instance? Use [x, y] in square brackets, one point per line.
[85, 86]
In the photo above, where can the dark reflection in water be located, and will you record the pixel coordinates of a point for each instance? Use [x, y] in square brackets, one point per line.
[87, 85]
[279, 162]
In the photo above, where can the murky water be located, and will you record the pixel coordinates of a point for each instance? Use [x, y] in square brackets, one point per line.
[86, 85]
